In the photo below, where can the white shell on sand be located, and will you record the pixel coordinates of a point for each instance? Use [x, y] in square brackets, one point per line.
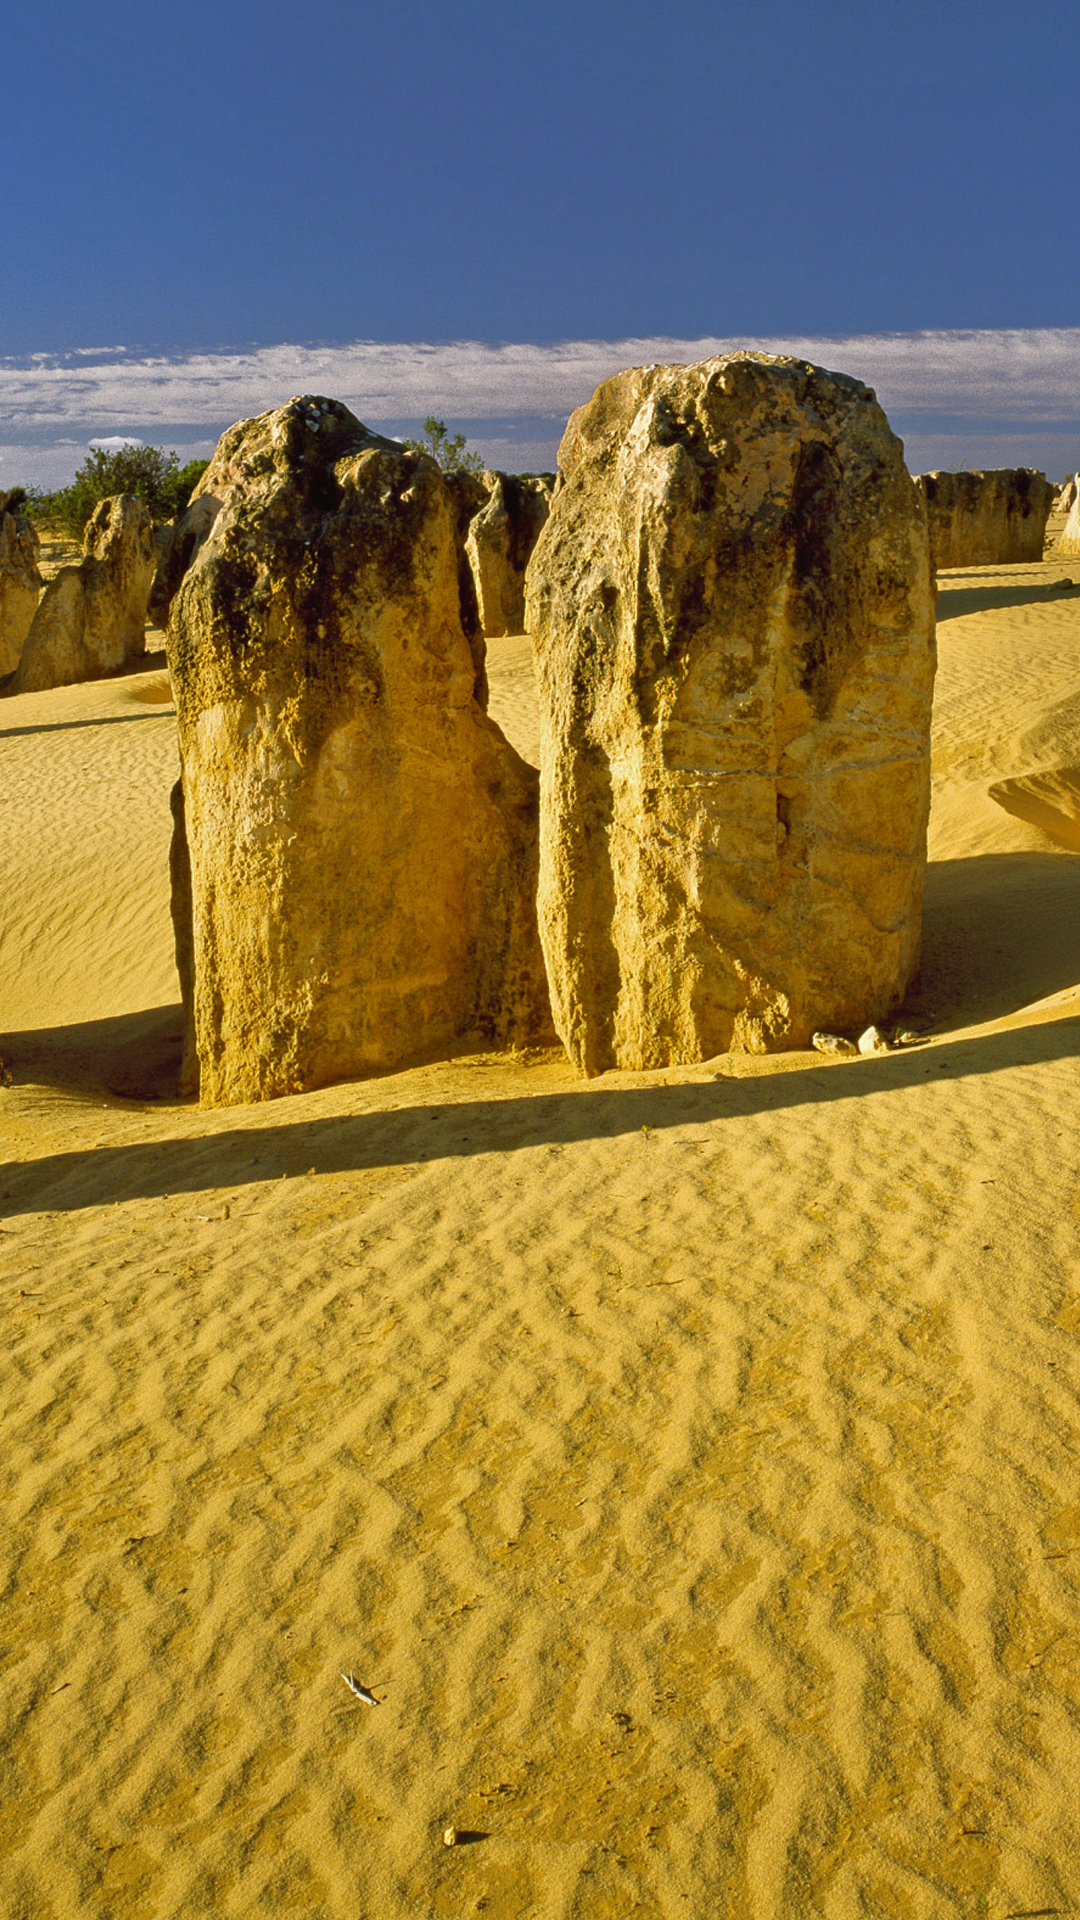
[873, 1041]
[832, 1043]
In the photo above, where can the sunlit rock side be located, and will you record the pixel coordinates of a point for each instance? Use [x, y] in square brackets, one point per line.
[732, 616]
[995, 518]
[91, 619]
[20, 584]
[362, 839]
[500, 541]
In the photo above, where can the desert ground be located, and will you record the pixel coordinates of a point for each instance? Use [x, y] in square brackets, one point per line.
[687, 1464]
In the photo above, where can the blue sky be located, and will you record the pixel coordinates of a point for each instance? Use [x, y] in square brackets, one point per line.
[204, 186]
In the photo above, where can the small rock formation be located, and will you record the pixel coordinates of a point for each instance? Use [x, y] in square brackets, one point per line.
[362, 839]
[1065, 495]
[995, 518]
[20, 582]
[178, 545]
[731, 608]
[468, 495]
[500, 542]
[1067, 546]
[92, 617]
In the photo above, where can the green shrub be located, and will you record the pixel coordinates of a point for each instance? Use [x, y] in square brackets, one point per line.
[447, 448]
[149, 473]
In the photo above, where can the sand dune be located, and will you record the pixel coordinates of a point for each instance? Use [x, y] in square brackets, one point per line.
[686, 1462]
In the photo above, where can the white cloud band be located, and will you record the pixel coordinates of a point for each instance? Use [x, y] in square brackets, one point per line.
[1019, 375]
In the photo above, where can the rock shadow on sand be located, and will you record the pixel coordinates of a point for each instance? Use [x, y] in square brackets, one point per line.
[1000, 935]
[1001, 931]
[954, 601]
[261, 1150]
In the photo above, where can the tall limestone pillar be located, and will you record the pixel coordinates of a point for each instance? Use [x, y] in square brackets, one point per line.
[356, 885]
[731, 608]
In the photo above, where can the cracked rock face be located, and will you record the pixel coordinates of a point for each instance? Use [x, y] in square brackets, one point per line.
[731, 608]
[361, 840]
[91, 619]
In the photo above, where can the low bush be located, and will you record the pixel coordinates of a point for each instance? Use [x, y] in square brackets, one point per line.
[447, 448]
[149, 473]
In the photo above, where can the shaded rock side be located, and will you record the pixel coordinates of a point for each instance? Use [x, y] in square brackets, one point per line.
[20, 586]
[1067, 546]
[995, 518]
[732, 617]
[177, 545]
[91, 619]
[499, 545]
[362, 839]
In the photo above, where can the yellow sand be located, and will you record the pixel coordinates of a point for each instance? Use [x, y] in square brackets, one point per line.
[689, 1463]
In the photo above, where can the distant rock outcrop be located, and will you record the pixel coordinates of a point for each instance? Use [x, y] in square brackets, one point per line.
[20, 583]
[1065, 495]
[500, 541]
[361, 837]
[92, 617]
[731, 611]
[179, 544]
[1067, 546]
[995, 518]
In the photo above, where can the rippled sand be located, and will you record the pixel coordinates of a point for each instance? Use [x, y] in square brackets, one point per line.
[686, 1462]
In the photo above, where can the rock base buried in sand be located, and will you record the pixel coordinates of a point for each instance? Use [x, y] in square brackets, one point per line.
[732, 621]
[361, 838]
[92, 617]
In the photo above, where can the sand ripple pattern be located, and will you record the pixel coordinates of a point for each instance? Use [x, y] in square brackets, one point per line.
[682, 1466]
[688, 1463]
